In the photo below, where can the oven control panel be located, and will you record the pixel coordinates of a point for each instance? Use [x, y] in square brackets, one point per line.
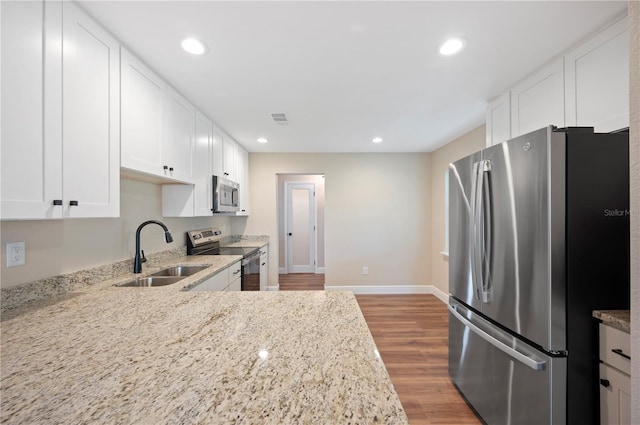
[204, 236]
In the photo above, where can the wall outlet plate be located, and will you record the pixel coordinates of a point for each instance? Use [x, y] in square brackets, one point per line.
[15, 254]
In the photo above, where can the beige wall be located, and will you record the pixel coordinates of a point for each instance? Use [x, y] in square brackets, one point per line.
[319, 182]
[465, 145]
[377, 209]
[634, 151]
[56, 247]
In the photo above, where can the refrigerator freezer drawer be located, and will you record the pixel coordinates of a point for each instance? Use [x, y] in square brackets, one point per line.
[506, 381]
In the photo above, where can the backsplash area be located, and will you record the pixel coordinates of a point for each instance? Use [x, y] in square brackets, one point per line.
[63, 247]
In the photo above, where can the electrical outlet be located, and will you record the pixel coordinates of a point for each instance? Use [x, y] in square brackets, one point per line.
[365, 271]
[15, 254]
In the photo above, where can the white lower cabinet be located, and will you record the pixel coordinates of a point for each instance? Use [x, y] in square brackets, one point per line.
[60, 113]
[225, 280]
[615, 376]
[264, 268]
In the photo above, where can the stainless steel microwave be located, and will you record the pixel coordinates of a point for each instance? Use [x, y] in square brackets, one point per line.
[226, 195]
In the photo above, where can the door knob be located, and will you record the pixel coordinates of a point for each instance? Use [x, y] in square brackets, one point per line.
[289, 234]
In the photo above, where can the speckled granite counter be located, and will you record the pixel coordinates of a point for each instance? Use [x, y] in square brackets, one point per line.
[104, 354]
[620, 319]
[245, 241]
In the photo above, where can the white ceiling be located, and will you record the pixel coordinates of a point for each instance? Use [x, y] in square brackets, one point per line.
[347, 71]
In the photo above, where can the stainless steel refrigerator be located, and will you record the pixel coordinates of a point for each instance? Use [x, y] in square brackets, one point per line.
[538, 238]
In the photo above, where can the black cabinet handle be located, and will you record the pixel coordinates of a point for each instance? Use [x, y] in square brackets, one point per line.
[605, 383]
[289, 234]
[171, 169]
[236, 272]
[57, 202]
[619, 352]
[165, 167]
[264, 264]
[73, 203]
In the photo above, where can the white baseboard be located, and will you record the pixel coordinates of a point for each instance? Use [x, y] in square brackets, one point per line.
[273, 288]
[319, 270]
[393, 289]
[282, 270]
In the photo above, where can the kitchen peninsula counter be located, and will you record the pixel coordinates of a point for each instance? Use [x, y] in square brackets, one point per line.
[105, 354]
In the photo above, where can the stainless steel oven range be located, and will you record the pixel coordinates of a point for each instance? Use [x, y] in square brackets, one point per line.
[207, 242]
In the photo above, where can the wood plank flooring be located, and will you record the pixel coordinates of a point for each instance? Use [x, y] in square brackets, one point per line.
[411, 332]
[301, 282]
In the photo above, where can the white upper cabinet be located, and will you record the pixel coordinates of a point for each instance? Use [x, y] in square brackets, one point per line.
[60, 115]
[143, 95]
[597, 81]
[180, 135]
[538, 101]
[202, 163]
[31, 162]
[498, 120]
[228, 159]
[587, 87]
[90, 117]
[242, 178]
[217, 167]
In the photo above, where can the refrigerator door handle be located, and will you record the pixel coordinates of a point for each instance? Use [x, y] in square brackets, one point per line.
[485, 230]
[476, 260]
[521, 357]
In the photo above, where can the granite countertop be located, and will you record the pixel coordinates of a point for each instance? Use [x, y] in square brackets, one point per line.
[620, 319]
[106, 354]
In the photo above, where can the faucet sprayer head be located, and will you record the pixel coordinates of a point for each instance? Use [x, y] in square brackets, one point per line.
[167, 236]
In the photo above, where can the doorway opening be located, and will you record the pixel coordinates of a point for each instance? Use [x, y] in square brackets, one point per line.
[301, 227]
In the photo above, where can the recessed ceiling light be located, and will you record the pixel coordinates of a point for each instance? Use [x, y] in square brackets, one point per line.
[193, 46]
[453, 46]
[377, 140]
[262, 140]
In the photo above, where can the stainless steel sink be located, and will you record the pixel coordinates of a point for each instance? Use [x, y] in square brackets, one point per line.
[182, 271]
[153, 281]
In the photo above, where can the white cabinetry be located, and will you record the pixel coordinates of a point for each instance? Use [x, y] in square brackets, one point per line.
[615, 379]
[60, 115]
[538, 101]
[157, 125]
[178, 144]
[228, 159]
[225, 280]
[264, 268]
[498, 120]
[202, 164]
[142, 132]
[242, 178]
[597, 81]
[589, 86]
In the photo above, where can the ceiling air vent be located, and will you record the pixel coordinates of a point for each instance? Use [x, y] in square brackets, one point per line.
[279, 118]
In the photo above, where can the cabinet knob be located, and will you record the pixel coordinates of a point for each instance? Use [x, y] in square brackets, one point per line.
[165, 167]
[290, 234]
[57, 202]
[605, 383]
[171, 169]
[73, 203]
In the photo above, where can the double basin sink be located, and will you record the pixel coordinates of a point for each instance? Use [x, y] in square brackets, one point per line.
[165, 277]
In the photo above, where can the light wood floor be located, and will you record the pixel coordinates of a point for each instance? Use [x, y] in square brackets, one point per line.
[411, 332]
[301, 282]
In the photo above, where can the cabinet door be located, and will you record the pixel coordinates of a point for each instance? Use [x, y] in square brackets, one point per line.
[143, 95]
[597, 81]
[242, 178]
[499, 120]
[31, 163]
[217, 166]
[228, 158]
[179, 140]
[90, 117]
[615, 396]
[538, 101]
[217, 282]
[264, 268]
[202, 162]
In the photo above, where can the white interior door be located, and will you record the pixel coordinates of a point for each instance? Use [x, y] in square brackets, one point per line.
[300, 227]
